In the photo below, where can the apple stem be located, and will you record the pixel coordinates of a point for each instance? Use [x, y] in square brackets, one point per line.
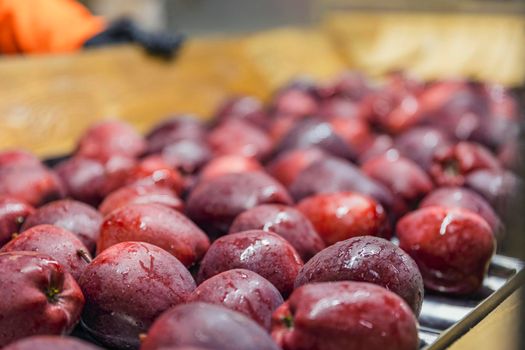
[288, 321]
[84, 255]
[52, 294]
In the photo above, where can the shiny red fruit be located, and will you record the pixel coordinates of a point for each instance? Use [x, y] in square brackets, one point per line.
[214, 204]
[461, 197]
[175, 129]
[404, 178]
[155, 224]
[331, 175]
[51, 342]
[243, 291]
[36, 185]
[452, 164]
[38, 297]
[420, 144]
[110, 138]
[206, 326]
[367, 259]
[228, 164]
[344, 315]
[287, 165]
[287, 222]
[265, 253]
[127, 287]
[239, 138]
[140, 194]
[13, 213]
[245, 108]
[342, 215]
[56, 242]
[150, 171]
[452, 247]
[76, 217]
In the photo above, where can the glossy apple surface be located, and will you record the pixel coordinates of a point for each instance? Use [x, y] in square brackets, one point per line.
[243, 291]
[342, 215]
[56, 242]
[13, 213]
[265, 253]
[155, 224]
[208, 326]
[452, 247]
[287, 222]
[344, 315]
[367, 259]
[76, 217]
[50, 342]
[127, 287]
[213, 204]
[38, 297]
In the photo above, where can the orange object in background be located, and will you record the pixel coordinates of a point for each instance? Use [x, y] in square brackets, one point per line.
[45, 26]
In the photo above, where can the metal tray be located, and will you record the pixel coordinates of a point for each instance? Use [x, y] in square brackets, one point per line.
[444, 319]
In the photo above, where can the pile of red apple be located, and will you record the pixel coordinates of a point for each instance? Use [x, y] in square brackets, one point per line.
[267, 228]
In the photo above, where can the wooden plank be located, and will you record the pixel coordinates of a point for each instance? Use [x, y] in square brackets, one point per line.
[499, 330]
[46, 102]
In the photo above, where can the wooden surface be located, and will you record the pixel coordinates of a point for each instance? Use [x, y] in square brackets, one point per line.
[46, 102]
[499, 330]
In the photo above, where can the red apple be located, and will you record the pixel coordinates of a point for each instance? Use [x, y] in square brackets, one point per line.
[13, 213]
[297, 99]
[452, 247]
[460, 197]
[344, 315]
[56, 242]
[155, 224]
[287, 222]
[420, 144]
[313, 132]
[452, 164]
[404, 178]
[228, 164]
[367, 259]
[208, 326]
[239, 138]
[243, 291]
[140, 194]
[51, 342]
[110, 138]
[245, 108]
[36, 185]
[265, 253]
[18, 158]
[187, 156]
[85, 179]
[331, 175]
[127, 287]
[214, 204]
[377, 145]
[38, 297]
[175, 129]
[76, 217]
[341, 215]
[287, 165]
[150, 171]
